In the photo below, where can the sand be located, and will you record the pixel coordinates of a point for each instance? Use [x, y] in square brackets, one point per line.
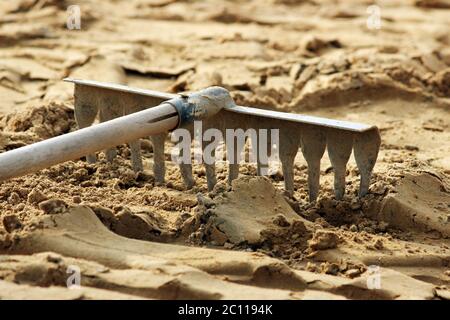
[134, 239]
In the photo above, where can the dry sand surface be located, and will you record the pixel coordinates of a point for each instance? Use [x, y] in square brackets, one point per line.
[133, 239]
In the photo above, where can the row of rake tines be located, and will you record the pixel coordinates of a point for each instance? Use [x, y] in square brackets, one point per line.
[312, 139]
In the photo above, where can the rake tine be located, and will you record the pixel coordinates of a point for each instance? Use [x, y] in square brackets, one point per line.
[262, 158]
[186, 174]
[210, 168]
[233, 144]
[136, 158]
[288, 149]
[339, 145]
[112, 109]
[313, 142]
[233, 153]
[186, 168]
[159, 166]
[85, 110]
[366, 147]
[131, 104]
[186, 171]
[135, 103]
[215, 130]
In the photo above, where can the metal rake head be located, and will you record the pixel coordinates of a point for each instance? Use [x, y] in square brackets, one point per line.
[311, 134]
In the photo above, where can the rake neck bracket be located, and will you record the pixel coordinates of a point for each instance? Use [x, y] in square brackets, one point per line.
[201, 104]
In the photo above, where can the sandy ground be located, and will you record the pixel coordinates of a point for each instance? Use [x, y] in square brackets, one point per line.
[132, 239]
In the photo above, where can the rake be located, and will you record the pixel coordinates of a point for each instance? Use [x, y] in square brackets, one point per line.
[128, 114]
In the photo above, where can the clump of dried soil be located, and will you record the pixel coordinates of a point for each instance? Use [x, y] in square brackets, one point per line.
[41, 122]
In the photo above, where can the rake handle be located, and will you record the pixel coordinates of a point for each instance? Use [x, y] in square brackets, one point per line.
[74, 145]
